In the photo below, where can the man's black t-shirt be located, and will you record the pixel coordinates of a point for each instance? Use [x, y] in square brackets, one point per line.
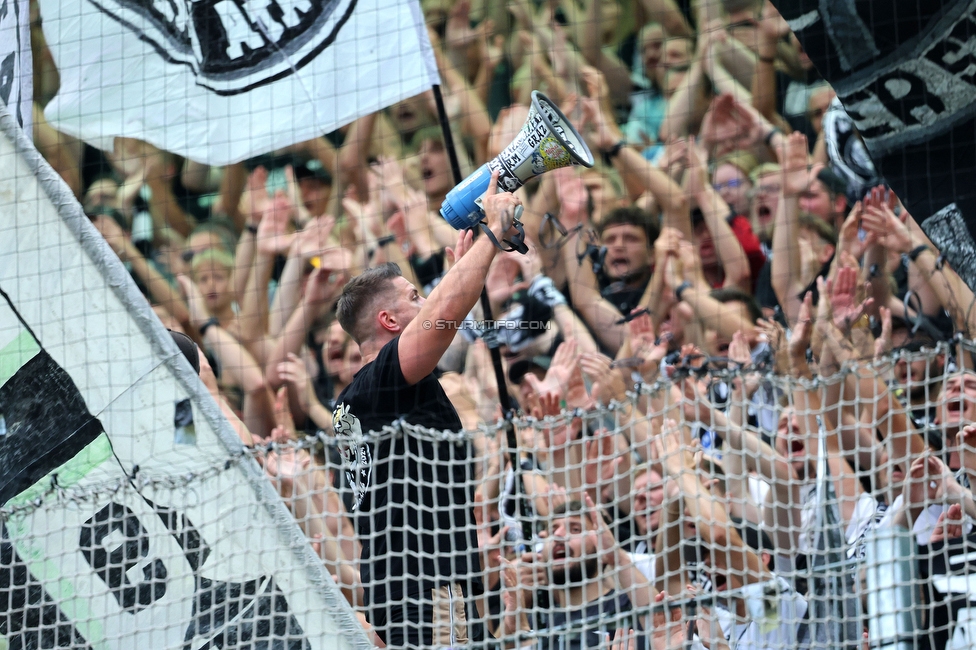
[411, 495]
[590, 627]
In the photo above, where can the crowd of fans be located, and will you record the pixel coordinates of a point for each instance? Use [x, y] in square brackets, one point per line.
[713, 255]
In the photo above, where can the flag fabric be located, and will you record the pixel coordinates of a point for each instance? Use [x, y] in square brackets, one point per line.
[16, 66]
[220, 81]
[906, 74]
[101, 545]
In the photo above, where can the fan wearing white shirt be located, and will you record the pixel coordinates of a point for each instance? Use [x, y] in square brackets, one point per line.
[728, 562]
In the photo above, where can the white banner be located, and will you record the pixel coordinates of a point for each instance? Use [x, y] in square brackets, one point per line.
[220, 81]
[194, 547]
[16, 66]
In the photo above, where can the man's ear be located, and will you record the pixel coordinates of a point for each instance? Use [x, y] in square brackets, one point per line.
[388, 320]
[840, 204]
[826, 253]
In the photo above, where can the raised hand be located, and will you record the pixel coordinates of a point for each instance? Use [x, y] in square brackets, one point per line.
[926, 481]
[668, 630]
[645, 347]
[966, 440]
[882, 344]
[949, 526]
[845, 307]
[573, 197]
[464, 241]
[849, 238]
[284, 430]
[595, 83]
[293, 372]
[294, 192]
[564, 364]
[315, 238]
[275, 236]
[398, 228]
[195, 302]
[624, 639]
[458, 33]
[772, 25]
[796, 174]
[606, 543]
[607, 382]
[695, 405]
[600, 459]
[775, 337]
[675, 158]
[889, 231]
[740, 353]
[491, 546]
[729, 125]
[802, 333]
[530, 264]
[500, 209]
[500, 282]
[112, 232]
[324, 286]
[739, 350]
[255, 200]
[673, 450]
[607, 133]
[513, 619]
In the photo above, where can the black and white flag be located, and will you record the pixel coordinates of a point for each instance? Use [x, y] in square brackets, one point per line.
[220, 81]
[128, 518]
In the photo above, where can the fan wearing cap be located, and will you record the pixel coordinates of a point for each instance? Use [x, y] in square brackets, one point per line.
[315, 183]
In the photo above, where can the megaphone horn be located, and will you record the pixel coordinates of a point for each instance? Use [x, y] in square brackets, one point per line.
[546, 142]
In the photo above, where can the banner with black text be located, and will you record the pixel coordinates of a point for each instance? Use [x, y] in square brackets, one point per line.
[219, 81]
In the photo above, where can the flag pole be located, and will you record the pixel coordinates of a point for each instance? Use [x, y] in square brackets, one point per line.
[493, 346]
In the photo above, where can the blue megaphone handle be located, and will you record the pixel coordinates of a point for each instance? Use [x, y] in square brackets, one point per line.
[460, 207]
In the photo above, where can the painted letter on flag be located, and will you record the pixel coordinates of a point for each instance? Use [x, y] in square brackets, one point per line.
[220, 81]
[15, 61]
[119, 528]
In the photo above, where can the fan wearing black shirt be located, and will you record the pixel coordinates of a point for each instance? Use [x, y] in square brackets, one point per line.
[412, 495]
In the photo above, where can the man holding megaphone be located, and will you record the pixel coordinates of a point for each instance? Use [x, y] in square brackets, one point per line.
[415, 598]
[547, 141]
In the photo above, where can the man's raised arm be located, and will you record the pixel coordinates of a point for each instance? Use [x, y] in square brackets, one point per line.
[427, 336]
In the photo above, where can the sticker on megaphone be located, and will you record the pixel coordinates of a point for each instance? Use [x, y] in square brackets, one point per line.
[547, 141]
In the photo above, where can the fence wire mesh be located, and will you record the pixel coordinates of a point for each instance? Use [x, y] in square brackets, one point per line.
[740, 368]
[672, 517]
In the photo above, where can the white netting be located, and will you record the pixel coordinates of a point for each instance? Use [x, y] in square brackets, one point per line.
[742, 403]
[809, 547]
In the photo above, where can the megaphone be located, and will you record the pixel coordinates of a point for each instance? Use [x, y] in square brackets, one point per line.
[546, 142]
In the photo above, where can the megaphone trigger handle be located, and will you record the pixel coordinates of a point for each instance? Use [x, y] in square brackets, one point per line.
[518, 213]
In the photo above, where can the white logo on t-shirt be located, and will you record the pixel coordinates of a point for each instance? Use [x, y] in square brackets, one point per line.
[357, 458]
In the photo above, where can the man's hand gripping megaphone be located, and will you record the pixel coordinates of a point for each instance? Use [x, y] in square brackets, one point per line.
[502, 213]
